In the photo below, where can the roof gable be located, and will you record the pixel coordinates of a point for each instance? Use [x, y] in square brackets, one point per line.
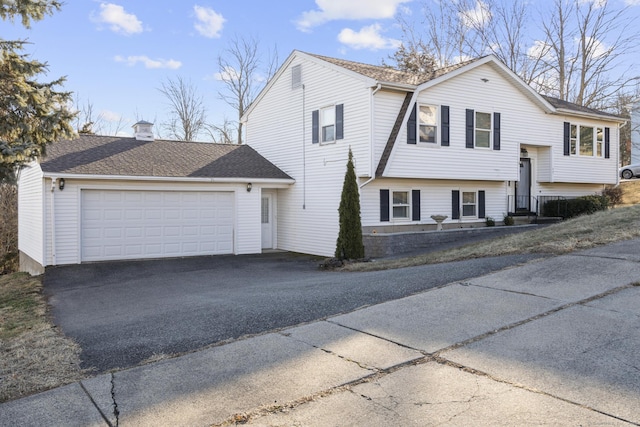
[106, 155]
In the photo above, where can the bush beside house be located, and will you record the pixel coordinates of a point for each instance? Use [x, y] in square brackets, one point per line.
[570, 208]
[8, 228]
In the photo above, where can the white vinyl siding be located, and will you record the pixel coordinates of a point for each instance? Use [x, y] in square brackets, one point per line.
[435, 199]
[522, 123]
[30, 220]
[279, 127]
[386, 106]
[583, 169]
[569, 190]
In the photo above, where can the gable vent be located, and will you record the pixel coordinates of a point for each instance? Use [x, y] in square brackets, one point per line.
[296, 76]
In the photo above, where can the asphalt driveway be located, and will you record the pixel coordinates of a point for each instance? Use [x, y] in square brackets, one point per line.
[122, 313]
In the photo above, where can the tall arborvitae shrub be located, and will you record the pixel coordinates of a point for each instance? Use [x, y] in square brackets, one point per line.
[349, 244]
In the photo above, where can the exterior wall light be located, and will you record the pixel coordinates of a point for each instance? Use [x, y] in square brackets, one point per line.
[61, 184]
[249, 186]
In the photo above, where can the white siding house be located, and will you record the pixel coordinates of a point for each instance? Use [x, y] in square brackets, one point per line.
[467, 142]
[470, 142]
[109, 198]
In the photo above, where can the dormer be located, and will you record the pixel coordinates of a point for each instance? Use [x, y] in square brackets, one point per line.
[143, 131]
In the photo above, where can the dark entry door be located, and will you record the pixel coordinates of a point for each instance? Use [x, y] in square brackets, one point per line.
[523, 187]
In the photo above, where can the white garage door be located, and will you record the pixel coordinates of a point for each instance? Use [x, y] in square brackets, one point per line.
[154, 224]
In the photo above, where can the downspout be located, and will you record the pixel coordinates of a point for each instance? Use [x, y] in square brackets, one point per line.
[620, 126]
[372, 173]
[304, 153]
[53, 222]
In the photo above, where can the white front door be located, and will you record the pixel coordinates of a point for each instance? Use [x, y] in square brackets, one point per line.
[267, 221]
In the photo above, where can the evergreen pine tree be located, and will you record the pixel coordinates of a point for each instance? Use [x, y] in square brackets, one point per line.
[349, 244]
[32, 114]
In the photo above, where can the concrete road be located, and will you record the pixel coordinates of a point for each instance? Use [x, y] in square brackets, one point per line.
[123, 313]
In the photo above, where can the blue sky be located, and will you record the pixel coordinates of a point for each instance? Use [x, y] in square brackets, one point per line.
[116, 54]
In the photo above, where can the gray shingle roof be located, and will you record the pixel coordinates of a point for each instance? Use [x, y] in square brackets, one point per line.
[387, 74]
[390, 75]
[559, 103]
[107, 155]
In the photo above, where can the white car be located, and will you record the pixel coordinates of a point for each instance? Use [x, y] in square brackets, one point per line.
[629, 171]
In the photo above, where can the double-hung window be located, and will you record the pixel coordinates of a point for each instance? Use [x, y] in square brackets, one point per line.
[428, 126]
[328, 124]
[401, 205]
[483, 130]
[469, 204]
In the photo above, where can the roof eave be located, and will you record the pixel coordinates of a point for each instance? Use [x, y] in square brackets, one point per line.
[396, 86]
[568, 112]
[221, 180]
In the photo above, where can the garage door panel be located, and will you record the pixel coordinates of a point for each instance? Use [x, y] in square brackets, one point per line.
[172, 214]
[153, 232]
[152, 214]
[107, 233]
[112, 214]
[144, 224]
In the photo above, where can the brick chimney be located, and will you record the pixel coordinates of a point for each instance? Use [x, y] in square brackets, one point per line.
[143, 131]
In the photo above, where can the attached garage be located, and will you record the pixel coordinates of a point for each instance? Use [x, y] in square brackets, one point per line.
[100, 198]
[119, 224]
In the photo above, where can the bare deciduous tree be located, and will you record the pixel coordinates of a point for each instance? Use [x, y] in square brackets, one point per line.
[187, 118]
[87, 122]
[578, 59]
[586, 43]
[239, 68]
[222, 134]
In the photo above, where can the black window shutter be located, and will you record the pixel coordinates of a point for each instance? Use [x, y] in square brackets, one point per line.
[567, 132]
[444, 125]
[455, 204]
[315, 126]
[340, 121]
[607, 143]
[470, 128]
[411, 126]
[415, 205]
[481, 196]
[496, 131]
[384, 205]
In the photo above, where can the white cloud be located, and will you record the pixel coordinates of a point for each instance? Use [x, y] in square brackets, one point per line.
[208, 22]
[118, 20]
[228, 74]
[329, 10]
[110, 116]
[632, 2]
[540, 49]
[598, 48]
[598, 4]
[477, 17]
[148, 62]
[367, 38]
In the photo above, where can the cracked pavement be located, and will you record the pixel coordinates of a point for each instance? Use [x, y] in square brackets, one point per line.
[551, 342]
